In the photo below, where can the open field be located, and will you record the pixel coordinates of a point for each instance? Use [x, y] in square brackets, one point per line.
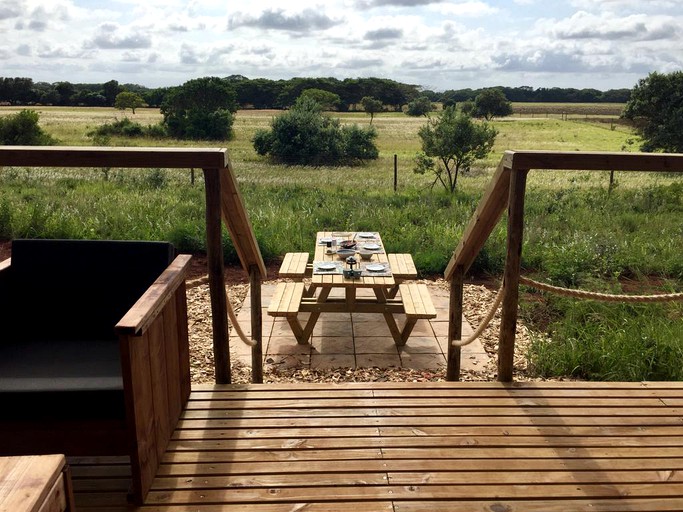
[578, 233]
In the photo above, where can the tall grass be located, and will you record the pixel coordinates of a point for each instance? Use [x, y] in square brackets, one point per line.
[612, 342]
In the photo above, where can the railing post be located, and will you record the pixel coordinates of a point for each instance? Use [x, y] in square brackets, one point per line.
[455, 323]
[214, 255]
[515, 235]
[256, 325]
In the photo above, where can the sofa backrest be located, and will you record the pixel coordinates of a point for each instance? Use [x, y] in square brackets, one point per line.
[79, 289]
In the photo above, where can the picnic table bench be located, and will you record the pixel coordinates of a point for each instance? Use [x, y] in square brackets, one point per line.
[292, 298]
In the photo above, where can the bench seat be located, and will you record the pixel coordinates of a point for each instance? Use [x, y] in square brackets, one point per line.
[402, 267]
[286, 300]
[295, 266]
[417, 301]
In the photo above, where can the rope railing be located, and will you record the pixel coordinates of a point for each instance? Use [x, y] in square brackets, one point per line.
[566, 292]
[231, 312]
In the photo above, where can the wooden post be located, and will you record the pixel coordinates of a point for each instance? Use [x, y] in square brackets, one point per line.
[214, 254]
[256, 325]
[455, 324]
[395, 172]
[508, 324]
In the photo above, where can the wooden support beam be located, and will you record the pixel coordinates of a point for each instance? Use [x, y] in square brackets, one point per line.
[515, 234]
[214, 255]
[455, 323]
[256, 325]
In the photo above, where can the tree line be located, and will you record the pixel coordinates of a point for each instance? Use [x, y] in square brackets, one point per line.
[262, 93]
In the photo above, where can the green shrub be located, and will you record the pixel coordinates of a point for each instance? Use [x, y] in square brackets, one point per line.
[21, 129]
[305, 136]
[200, 109]
[126, 128]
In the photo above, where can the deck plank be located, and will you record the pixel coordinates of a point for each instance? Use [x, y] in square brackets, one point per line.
[413, 447]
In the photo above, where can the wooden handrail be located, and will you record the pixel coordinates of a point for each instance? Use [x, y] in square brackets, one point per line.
[88, 156]
[484, 219]
[236, 220]
[507, 188]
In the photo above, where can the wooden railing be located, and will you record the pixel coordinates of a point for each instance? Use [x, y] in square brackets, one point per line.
[223, 203]
[507, 189]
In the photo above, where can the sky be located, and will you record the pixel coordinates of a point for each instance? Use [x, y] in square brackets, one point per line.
[439, 45]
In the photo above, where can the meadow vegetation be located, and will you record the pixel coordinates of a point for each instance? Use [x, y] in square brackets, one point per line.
[578, 232]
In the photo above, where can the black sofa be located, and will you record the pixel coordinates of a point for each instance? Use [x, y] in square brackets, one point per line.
[94, 356]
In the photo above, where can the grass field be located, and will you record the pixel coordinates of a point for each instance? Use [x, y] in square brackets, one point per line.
[577, 233]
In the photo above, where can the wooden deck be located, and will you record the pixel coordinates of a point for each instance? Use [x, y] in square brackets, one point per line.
[413, 447]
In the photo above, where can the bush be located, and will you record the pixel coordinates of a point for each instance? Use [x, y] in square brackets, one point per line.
[200, 109]
[127, 128]
[306, 136]
[21, 129]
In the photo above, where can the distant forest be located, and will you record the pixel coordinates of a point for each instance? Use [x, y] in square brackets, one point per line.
[262, 93]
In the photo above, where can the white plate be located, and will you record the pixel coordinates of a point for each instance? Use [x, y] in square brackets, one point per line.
[375, 268]
[326, 266]
[371, 247]
[366, 235]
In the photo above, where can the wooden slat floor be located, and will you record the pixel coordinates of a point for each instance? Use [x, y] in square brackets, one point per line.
[413, 447]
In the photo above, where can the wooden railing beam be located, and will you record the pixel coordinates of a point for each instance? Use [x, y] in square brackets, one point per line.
[484, 219]
[256, 325]
[455, 324]
[513, 260]
[214, 256]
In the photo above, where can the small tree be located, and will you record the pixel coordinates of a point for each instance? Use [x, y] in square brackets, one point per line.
[328, 100]
[22, 129]
[304, 135]
[491, 103]
[421, 106]
[656, 106]
[455, 141]
[129, 100]
[200, 109]
[371, 106]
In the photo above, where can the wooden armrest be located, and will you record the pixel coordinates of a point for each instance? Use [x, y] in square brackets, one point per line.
[143, 312]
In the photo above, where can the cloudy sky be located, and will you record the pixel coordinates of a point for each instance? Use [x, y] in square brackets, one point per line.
[449, 44]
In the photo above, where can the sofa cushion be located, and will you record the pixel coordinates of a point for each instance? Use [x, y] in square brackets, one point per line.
[65, 379]
[79, 289]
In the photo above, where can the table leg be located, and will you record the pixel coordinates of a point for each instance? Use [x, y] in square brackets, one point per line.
[400, 335]
[310, 291]
[303, 333]
[392, 292]
[350, 299]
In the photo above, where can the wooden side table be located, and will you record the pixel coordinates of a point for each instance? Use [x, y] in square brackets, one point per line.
[35, 483]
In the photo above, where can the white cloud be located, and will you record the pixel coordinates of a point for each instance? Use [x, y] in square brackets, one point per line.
[437, 43]
[472, 9]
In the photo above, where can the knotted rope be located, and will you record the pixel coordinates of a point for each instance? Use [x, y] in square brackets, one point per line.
[231, 312]
[567, 292]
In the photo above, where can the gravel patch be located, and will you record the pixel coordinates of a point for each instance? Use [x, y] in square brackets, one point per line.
[477, 302]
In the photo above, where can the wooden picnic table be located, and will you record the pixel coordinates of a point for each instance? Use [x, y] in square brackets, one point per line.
[290, 299]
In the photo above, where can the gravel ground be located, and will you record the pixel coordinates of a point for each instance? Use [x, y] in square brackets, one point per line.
[477, 302]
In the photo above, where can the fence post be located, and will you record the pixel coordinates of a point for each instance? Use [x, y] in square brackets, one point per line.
[515, 234]
[455, 323]
[395, 172]
[214, 256]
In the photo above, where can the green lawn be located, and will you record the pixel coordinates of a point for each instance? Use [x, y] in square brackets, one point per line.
[577, 233]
